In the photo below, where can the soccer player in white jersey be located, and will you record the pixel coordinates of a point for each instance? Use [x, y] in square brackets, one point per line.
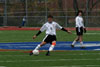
[50, 26]
[79, 29]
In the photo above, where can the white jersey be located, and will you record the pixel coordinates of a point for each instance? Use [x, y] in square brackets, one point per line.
[79, 21]
[50, 28]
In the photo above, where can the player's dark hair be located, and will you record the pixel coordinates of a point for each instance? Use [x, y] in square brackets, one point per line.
[50, 16]
[79, 11]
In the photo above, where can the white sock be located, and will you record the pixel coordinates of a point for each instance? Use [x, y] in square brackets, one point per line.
[81, 43]
[37, 48]
[51, 48]
[73, 42]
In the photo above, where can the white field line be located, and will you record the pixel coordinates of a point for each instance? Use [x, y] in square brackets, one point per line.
[91, 33]
[75, 66]
[56, 66]
[47, 60]
[81, 54]
[88, 45]
[14, 55]
[96, 49]
[2, 66]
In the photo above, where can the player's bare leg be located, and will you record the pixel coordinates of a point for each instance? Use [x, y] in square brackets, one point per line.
[77, 39]
[38, 46]
[51, 48]
[81, 42]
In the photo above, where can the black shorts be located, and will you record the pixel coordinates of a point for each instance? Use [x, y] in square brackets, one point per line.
[49, 38]
[79, 31]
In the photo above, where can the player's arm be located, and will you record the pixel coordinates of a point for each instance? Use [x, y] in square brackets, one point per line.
[63, 29]
[84, 29]
[40, 31]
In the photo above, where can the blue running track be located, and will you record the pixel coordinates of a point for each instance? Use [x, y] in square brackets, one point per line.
[59, 46]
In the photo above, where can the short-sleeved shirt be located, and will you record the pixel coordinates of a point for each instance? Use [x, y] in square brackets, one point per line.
[50, 28]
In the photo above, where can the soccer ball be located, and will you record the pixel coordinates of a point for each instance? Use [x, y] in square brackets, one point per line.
[36, 52]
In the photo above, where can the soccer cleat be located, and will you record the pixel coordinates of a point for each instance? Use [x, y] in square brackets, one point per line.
[72, 46]
[48, 53]
[31, 53]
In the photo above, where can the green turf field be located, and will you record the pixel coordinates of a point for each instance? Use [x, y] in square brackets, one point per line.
[57, 59]
[26, 36]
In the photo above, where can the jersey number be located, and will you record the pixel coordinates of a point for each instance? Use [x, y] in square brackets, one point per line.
[50, 28]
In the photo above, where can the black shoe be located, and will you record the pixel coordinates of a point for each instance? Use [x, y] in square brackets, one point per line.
[72, 46]
[31, 53]
[83, 47]
[48, 53]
